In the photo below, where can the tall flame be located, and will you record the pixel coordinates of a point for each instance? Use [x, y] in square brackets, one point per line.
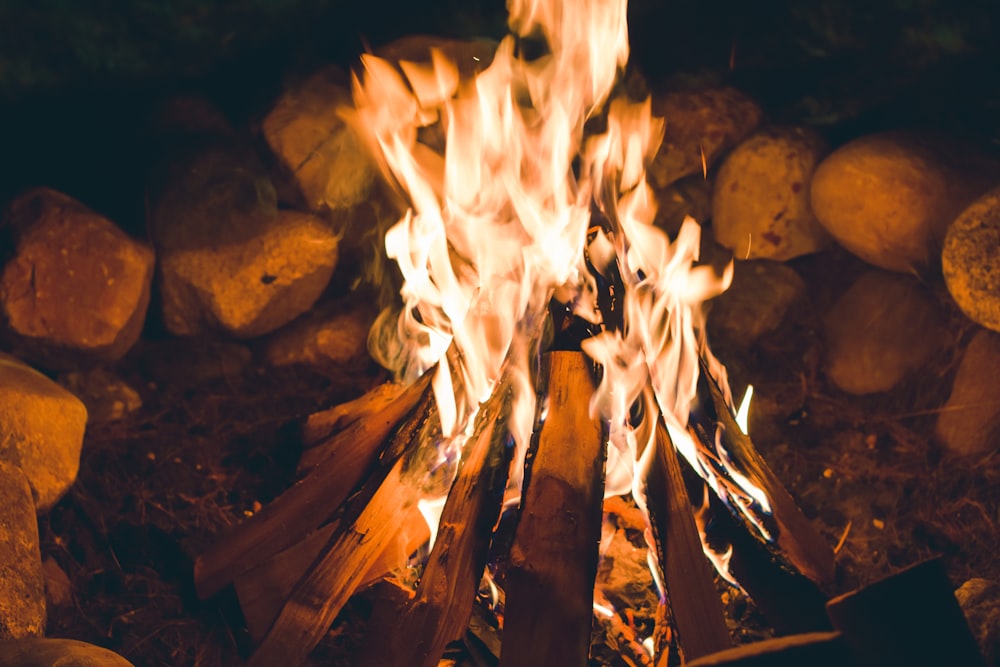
[527, 203]
[498, 222]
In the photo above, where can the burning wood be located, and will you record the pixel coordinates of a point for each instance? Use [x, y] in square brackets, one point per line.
[550, 585]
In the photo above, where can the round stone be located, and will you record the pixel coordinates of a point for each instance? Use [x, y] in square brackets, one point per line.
[970, 260]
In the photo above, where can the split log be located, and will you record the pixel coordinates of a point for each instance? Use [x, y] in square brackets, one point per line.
[909, 618]
[439, 611]
[819, 649]
[791, 602]
[368, 419]
[366, 529]
[688, 578]
[263, 590]
[796, 537]
[310, 502]
[550, 584]
[321, 425]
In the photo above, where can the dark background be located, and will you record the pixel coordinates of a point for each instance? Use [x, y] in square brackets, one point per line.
[78, 78]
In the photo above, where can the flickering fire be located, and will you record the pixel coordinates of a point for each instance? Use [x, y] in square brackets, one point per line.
[527, 204]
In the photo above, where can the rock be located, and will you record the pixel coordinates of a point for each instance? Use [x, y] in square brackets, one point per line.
[76, 282]
[757, 301]
[51, 652]
[880, 330]
[889, 198]
[980, 600]
[969, 422]
[41, 430]
[22, 584]
[690, 196]
[107, 397]
[970, 260]
[711, 120]
[760, 205]
[327, 339]
[322, 154]
[229, 260]
[58, 588]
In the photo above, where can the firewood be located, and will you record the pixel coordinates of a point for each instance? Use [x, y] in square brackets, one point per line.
[263, 590]
[365, 530]
[321, 425]
[909, 618]
[550, 584]
[695, 605]
[791, 602]
[818, 649]
[796, 537]
[439, 611]
[303, 507]
[369, 419]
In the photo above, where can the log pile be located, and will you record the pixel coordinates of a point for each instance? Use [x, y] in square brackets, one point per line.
[352, 519]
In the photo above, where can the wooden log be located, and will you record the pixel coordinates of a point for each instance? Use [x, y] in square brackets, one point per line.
[301, 509]
[263, 590]
[695, 606]
[370, 419]
[321, 425]
[439, 611]
[818, 649]
[550, 583]
[910, 618]
[796, 537]
[791, 602]
[366, 529]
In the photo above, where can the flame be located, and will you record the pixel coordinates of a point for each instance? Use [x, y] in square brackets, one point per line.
[525, 203]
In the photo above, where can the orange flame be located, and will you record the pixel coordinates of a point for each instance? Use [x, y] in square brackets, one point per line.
[498, 225]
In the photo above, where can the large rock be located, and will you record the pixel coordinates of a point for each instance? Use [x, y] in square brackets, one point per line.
[41, 430]
[889, 198]
[969, 423]
[757, 302]
[323, 155]
[980, 601]
[328, 339]
[699, 123]
[971, 260]
[882, 328]
[52, 652]
[229, 260]
[760, 206]
[76, 282]
[690, 196]
[22, 583]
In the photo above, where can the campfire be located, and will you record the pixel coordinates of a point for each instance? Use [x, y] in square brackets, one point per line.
[550, 353]
[411, 365]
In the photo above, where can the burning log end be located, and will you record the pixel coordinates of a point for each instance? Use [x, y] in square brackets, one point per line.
[796, 537]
